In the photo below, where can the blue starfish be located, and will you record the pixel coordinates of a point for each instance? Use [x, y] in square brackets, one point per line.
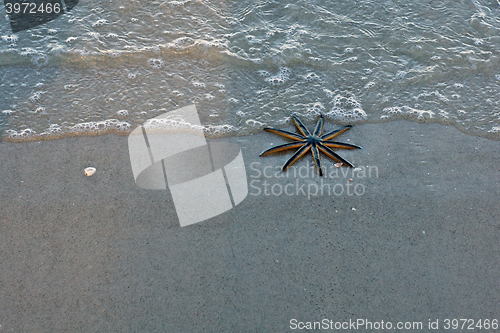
[315, 142]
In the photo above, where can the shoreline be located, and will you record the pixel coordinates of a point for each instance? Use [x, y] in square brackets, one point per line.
[101, 254]
[121, 127]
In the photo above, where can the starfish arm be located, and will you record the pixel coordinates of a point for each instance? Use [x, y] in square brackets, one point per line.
[300, 126]
[334, 133]
[319, 126]
[333, 144]
[328, 152]
[286, 134]
[317, 160]
[298, 154]
[285, 146]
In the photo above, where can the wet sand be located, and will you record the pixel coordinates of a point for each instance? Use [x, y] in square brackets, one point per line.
[100, 254]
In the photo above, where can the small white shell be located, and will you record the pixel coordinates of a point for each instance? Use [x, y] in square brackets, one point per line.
[338, 165]
[89, 171]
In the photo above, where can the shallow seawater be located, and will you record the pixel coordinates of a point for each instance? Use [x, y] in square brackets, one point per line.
[110, 66]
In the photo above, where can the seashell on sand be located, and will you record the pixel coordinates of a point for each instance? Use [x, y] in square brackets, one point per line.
[89, 171]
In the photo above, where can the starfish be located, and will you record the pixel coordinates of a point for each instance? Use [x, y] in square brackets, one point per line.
[315, 143]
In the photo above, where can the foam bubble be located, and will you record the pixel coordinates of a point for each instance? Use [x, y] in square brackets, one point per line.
[264, 73]
[99, 23]
[369, 85]
[391, 111]
[218, 43]
[328, 93]
[218, 129]
[343, 115]
[122, 113]
[198, 84]
[312, 77]
[94, 34]
[209, 97]
[100, 127]
[40, 110]
[179, 3]
[113, 54]
[181, 42]
[408, 112]
[280, 78]
[441, 97]
[54, 129]
[11, 39]
[97, 10]
[345, 102]
[70, 86]
[254, 123]
[443, 115]
[29, 134]
[315, 108]
[23, 134]
[36, 96]
[421, 114]
[176, 124]
[156, 63]
[346, 109]
[27, 51]
[251, 39]
[177, 93]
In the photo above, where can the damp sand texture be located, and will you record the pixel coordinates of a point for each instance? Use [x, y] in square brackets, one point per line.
[100, 254]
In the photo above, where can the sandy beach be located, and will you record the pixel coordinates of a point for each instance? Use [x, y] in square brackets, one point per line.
[418, 241]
